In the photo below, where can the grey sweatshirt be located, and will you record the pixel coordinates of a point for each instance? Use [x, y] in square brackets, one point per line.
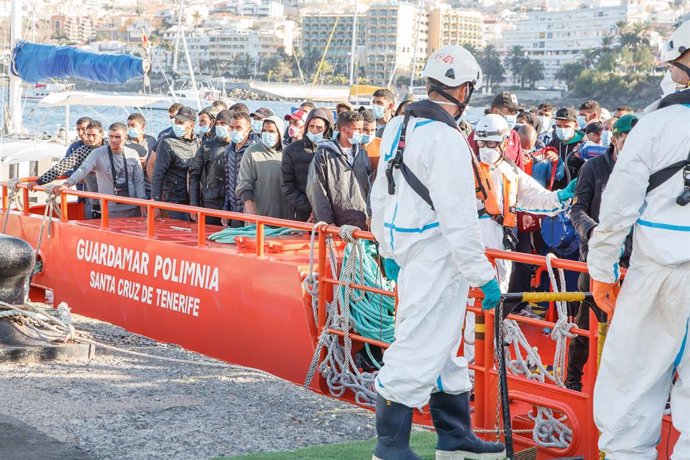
[259, 180]
[99, 162]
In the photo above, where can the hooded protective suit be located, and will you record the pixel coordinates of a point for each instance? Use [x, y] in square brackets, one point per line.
[440, 253]
[645, 346]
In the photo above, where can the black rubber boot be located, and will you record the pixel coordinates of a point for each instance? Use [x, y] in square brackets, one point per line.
[453, 423]
[393, 425]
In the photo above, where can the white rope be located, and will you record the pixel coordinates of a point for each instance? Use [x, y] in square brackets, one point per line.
[11, 193]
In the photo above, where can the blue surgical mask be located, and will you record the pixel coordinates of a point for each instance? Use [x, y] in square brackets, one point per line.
[355, 139]
[366, 138]
[315, 138]
[269, 139]
[222, 132]
[511, 120]
[257, 125]
[133, 133]
[178, 130]
[236, 136]
[203, 129]
[379, 111]
[565, 133]
[335, 134]
[581, 121]
[606, 138]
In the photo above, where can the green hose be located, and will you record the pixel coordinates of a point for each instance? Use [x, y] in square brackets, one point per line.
[229, 234]
[373, 314]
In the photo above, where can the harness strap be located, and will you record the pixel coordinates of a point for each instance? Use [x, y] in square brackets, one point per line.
[660, 177]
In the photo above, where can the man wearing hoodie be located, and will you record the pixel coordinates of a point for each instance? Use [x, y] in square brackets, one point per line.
[173, 159]
[338, 183]
[258, 182]
[207, 173]
[296, 160]
[567, 142]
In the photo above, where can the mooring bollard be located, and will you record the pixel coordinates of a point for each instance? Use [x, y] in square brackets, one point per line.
[17, 341]
[16, 262]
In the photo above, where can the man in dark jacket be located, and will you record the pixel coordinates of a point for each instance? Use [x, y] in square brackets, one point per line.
[585, 214]
[207, 172]
[567, 141]
[241, 138]
[173, 159]
[338, 183]
[296, 160]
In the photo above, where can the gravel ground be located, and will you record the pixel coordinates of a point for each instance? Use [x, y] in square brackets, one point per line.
[119, 406]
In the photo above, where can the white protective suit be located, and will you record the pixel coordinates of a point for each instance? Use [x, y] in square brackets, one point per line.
[532, 198]
[646, 342]
[440, 253]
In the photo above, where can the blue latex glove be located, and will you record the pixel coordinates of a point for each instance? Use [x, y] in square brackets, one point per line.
[568, 192]
[492, 295]
[392, 269]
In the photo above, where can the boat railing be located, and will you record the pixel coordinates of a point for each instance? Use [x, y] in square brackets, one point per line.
[577, 407]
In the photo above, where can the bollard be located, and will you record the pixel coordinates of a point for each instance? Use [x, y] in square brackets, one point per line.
[17, 341]
[16, 262]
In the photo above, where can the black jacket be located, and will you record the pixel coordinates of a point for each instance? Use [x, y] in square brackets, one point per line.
[207, 175]
[568, 154]
[337, 191]
[584, 214]
[295, 167]
[173, 159]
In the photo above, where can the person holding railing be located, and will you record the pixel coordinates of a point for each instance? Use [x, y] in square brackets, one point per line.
[118, 172]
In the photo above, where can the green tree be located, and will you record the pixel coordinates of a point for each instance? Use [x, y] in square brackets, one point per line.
[569, 72]
[490, 62]
[244, 66]
[514, 60]
[532, 72]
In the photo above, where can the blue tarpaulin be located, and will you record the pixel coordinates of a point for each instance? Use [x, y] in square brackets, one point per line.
[34, 63]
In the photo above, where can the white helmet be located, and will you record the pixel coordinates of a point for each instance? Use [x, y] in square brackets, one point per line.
[453, 65]
[491, 127]
[678, 44]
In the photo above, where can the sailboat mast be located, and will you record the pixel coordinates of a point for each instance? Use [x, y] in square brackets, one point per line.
[354, 46]
[420, 17]
[14, 123]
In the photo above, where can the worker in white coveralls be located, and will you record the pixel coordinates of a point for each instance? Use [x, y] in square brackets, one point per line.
[648, 190]
[513, 190]
[424, 216]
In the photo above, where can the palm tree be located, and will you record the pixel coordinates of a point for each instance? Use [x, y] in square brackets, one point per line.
[532, 71]
[490, 62]
[514, 60]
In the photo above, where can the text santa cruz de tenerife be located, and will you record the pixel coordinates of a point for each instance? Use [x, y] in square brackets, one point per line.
[180, 271]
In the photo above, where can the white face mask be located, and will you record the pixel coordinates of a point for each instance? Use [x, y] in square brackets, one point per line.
[545, 123]
[668, 86]
[488, 155]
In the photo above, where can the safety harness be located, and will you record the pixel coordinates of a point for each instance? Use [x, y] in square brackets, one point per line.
[484, 187]
[663, 175]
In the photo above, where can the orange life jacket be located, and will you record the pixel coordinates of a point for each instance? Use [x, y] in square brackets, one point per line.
[486, 193]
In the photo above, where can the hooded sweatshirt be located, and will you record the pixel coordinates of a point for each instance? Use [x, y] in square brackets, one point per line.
[338, 190]
[295, 167]
[568, 153]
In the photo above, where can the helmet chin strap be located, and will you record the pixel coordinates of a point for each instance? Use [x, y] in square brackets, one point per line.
[682, 67]
[460, 105]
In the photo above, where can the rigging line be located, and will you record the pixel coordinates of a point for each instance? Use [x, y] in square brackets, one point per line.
[323, 57]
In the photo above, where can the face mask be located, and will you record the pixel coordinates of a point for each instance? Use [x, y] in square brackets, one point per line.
[133, 133]
[379, 111]
[511, 120]
[606, 138]
[366, 138]
[668, 86]
[269, 139]
[355, 139]
[315, 138]
[178, 130]
[335, 134]
[236, 136]
[172, 122]
[257, 125]
[581, 121]
[293, 131]
[203, 129]
[488, 155]
[222, 132]
[545, 123]
[565, 133]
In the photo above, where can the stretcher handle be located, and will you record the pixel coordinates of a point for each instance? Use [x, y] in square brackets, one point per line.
[536, 297]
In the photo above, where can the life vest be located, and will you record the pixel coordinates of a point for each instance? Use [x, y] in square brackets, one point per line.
[505, 215]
